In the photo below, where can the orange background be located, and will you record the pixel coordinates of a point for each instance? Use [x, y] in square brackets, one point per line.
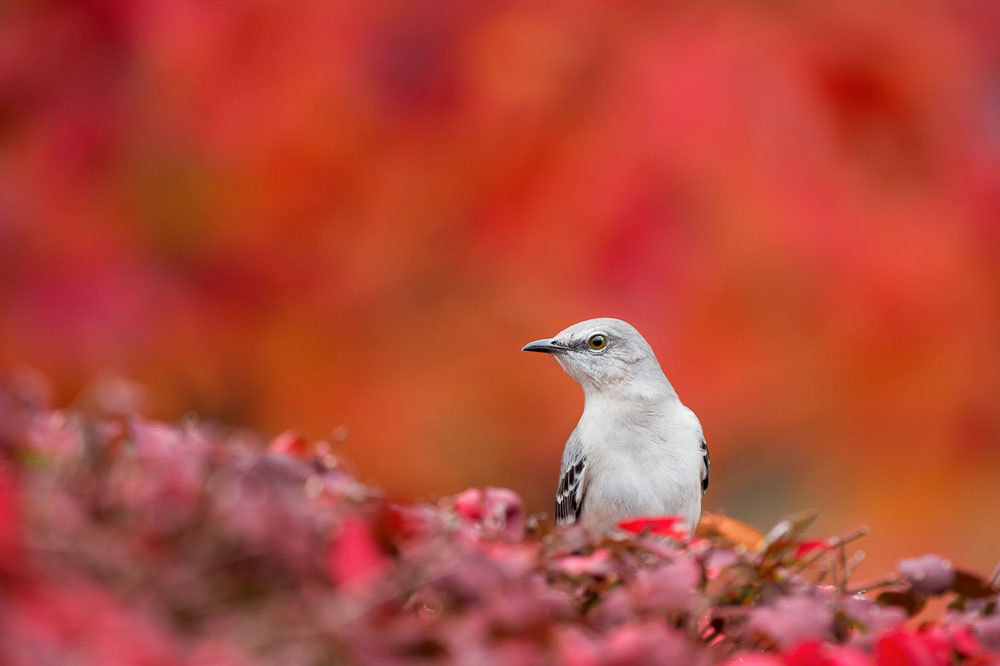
[315, 213]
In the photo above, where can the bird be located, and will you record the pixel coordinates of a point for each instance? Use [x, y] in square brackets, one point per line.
[637, 450]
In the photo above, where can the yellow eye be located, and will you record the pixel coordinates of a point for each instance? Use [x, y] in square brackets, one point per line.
[597, 341]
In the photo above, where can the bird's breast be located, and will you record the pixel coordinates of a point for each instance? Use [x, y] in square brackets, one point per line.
[639, 468]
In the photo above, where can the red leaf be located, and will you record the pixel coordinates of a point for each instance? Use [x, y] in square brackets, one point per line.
[809, 546]
[819, 653]
[469, 504]
[671, 526]
[406, 522]
[289, 443]
[964, 640]
[10, 523]
[900, 648]
[355, 559]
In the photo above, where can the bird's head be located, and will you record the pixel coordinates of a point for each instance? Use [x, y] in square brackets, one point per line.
[605, 354]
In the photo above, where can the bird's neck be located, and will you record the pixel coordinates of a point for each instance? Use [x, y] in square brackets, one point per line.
[623, 400]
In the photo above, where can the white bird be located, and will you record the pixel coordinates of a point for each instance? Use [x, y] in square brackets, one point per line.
[637, 450]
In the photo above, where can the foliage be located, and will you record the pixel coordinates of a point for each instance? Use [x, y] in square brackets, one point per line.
[128, 541]
[300, 212]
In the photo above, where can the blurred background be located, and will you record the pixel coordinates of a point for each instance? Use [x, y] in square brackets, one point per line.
[350, 216]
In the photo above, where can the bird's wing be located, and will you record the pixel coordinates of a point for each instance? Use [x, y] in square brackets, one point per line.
[569, 496]
[706, 466]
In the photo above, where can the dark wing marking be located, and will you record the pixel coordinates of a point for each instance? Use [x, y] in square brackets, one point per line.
[706, 468]
[569, 496]
[572, 481]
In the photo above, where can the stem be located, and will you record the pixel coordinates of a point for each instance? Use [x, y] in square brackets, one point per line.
[856, 559]
[848, 537]
[842, 560]
[886, 581]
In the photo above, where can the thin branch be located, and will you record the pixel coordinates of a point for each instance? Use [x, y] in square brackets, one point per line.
[885, 581]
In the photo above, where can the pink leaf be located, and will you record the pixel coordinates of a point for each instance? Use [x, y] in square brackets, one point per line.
[503, 513]
[597, 563]
[753, 659]
[792, 619]
[498, 511]
[669, 588]
[987, 630]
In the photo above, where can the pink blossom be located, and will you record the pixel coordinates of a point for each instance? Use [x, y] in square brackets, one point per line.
[929, 574]
[874, 618]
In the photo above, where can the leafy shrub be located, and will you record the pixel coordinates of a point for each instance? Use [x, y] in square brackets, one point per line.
[128, 541]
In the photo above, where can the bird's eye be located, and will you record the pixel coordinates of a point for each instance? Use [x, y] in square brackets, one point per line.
[597, 341]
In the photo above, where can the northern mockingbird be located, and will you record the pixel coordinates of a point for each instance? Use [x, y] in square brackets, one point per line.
[637, 450]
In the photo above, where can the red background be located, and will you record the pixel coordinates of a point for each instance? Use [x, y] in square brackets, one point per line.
[312, 214]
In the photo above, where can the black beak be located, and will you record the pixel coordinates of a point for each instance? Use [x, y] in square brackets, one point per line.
[546, 346]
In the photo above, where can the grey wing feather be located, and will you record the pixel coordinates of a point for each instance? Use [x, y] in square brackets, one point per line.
[706, 468]
[570, 494]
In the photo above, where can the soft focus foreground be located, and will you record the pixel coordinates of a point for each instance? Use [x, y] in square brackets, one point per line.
[125, 541]
[328, 213]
